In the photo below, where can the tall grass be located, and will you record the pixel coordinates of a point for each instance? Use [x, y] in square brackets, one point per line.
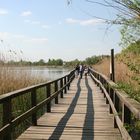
[127, 79]
[11, 76]
[14, 78]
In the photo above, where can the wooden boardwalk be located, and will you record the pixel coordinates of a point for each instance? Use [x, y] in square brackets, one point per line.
[81, 114]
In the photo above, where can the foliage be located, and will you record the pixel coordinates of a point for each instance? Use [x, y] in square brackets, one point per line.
[131, 57]
[92, 60]
[73, 63]
[130, 32]
[41, 62]
[53, 62]
[88, 61]
[133, 48]
[130, 90]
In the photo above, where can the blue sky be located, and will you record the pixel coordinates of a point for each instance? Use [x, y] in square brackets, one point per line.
[43, 29]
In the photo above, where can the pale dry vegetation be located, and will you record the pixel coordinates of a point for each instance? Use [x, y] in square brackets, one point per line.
[122, 73]
[126, 74]
[13, 78]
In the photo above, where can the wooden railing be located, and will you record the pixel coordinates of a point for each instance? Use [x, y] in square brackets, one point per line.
[9, 122]
[126, 110]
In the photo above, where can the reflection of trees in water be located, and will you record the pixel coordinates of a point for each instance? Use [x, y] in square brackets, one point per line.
[56, 73]
[43, 73]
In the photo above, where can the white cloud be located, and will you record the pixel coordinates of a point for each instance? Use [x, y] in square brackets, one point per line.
[85, 22]
[72, 21]
[27, 21]
[35, 22]
[45, 26]
[19, 36]
[3, 11]
[92, 22]
[5, 36]
[38, 40]
[32, 22]
[26, 13]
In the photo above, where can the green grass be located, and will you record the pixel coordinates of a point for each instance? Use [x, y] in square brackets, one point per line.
[130, 90]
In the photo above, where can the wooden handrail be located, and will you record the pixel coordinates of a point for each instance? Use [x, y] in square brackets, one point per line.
[9, 123]
[132, 104]
[118, 101]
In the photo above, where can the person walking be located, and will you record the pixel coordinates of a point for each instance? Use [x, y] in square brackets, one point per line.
[81, 70]
[76, 70]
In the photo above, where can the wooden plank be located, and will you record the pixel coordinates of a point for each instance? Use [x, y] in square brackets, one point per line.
[81, 114]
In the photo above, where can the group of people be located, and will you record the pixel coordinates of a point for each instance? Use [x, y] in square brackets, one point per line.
[80, 70]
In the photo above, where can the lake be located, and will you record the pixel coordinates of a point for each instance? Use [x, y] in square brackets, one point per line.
[45, 73]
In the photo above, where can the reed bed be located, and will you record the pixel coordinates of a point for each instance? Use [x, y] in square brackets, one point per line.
[126, 79]
[13, 77]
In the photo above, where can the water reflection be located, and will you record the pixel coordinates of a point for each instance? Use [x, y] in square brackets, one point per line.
[46, 73]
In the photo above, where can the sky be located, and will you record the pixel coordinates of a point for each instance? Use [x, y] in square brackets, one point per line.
[43, 29]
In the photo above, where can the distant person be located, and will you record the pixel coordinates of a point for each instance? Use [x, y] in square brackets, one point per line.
[76, 70]
[81, 69]
[88, 70]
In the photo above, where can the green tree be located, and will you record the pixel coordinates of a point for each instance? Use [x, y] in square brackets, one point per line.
[41, 62]
[92, 60]
[59, 62]
[53, 62]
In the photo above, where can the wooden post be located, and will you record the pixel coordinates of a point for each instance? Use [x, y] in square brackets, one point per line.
[116, 103]
[115, 123]
[7, 117]
[56, 89]
[33, 103]
[112, 69]
[107, 89]
[48, 95]
[126, 115]
[68, 78]
[65, 84]
[111, 92]
[61, 85]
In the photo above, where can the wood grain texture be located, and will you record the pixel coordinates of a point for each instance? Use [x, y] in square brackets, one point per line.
[81, 114]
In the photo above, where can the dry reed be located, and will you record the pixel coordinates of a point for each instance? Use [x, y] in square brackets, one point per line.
[13, 78]
[128, 78]
[122, 73]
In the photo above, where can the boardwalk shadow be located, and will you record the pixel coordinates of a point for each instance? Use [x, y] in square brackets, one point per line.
[62, 123]
[88, 128]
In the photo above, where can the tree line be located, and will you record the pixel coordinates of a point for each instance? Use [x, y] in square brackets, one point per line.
[55, 62]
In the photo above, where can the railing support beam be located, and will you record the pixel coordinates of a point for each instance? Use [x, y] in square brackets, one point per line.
[56, 89]
[33, 103]
[7, 118]
[48, 95]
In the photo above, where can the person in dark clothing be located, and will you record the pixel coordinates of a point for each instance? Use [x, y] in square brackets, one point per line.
[81, 69]
[76, 70]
